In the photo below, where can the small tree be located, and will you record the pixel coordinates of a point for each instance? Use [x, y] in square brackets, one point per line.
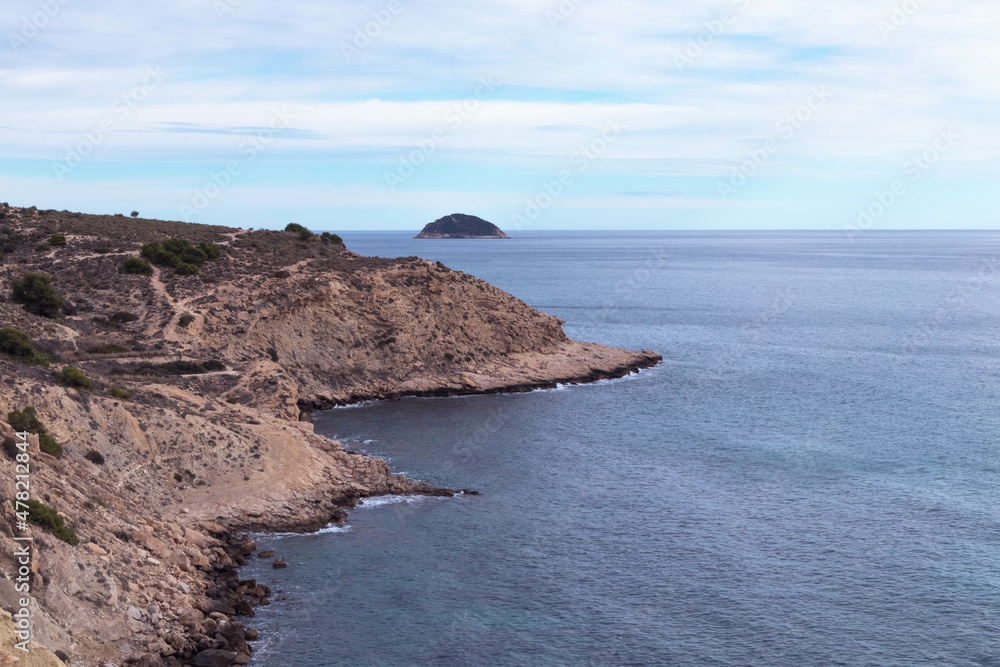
[135, 214]
[35, 292]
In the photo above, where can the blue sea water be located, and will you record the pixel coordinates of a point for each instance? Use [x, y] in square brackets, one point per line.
[809, 479]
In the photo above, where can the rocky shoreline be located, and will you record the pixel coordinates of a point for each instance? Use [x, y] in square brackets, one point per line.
[173, 407]
[643, 360]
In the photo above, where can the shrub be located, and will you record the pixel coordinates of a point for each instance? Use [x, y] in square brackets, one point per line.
[74, 377]
[449, 356]
[271, 352]
[57, 240]
[185, 320]
[120, 393]
[122, 317]
[108, 348]
[47, 517]
[35, 292]
[94, 457]
[327, 237]
[10, 448]
[135, 214]
[295, 227]
[231, 401]
[16, 344]
[387, 341]
[136, 266]
[282, 274]
[27, 420]
[180, 255]
[42, 247]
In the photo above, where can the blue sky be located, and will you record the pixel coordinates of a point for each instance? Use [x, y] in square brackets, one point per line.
[562, 114]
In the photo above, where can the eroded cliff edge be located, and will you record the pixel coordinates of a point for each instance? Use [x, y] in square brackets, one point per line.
[201, 385]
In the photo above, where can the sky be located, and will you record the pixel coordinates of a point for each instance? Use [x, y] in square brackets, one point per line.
[852, 115]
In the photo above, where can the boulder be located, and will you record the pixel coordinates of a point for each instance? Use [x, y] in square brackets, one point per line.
[214, 657]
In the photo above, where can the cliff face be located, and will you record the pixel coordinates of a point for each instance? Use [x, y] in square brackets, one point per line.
[200, 386]
[461, 226]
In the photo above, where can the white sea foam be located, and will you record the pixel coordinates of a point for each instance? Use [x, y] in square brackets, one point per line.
[379, 501]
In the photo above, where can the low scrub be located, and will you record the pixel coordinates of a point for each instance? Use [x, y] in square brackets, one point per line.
[16, 344]
[136, 266]
[27, 420]
[178, 254]
[47, 517]
[74, 377]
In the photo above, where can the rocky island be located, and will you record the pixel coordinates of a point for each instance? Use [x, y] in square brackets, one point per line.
[166, 371]
[461, 226]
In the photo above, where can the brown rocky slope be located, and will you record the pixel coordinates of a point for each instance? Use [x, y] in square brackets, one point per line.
[199, 410]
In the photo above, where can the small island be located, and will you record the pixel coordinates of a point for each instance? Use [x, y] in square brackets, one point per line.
[461, 226]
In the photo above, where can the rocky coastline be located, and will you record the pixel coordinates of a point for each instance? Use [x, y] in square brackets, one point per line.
[182, 424]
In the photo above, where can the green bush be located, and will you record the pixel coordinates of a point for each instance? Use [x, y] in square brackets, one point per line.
[108, 348]
[136, 266]
[271, 352]
[295, 227]
[180, 255]
[35, 292]
[27, 420]
[135, 214]
[16, 344]
[94, 457]
[47, 517]
[185, 320]
[122, 317]
[74, 377]
[57, 240]
[120, 393]
[449, 356]
[327, 237]
[282, 274]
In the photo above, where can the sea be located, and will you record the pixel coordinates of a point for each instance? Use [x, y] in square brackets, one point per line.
[810, 478]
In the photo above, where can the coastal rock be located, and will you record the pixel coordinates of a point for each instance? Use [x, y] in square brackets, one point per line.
[278, 564]
[461, 226]
[213, 658]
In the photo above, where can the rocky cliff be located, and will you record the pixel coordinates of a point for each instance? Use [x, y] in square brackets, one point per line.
[202, 367]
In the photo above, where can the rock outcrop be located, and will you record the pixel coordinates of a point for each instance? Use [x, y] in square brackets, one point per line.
[461, 226]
